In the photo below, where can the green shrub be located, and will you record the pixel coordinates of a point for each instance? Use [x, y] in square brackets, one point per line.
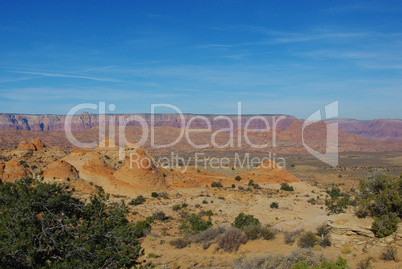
[193, 224]
[379, 195]
[307, 240]
[336, 204]
[385, 225]
[274, 205]
[286, 187]
[154, 195]
[266, 233]
[242, 220]
[44, 226]
[252, 232]
[159, 216]
[238, 178]
[176, 207]
[137, 201]
[233, 186]
[216, 185]
[209, 213]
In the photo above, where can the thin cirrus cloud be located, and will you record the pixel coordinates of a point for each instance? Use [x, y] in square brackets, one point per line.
[46, 74]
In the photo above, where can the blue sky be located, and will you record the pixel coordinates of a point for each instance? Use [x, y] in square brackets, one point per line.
[289, 57]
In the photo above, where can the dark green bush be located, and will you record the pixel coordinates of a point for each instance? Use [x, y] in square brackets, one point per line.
[137, 201]
[337, 205]
[307, 240]
[286, 187]
[274, 205]
[43, 225]
[216, 185]
[385, 225]
[154, 195]
[194, 224]
[176, 207]
[238, 178]
[381, 197]
[242, 220]
[209, 213]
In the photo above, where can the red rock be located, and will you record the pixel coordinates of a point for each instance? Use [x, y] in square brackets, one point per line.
[60, 169]
[13, 171]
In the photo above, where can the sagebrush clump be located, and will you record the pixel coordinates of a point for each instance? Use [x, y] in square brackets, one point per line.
[231, 240]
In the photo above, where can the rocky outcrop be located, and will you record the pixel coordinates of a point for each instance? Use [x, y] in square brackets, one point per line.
[97, 170]
[269, 172]
[13, 170]
[34, 144]
[37, 143]
[140, 172]
[60, 169]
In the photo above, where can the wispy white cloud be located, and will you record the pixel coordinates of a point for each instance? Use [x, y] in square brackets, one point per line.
[46, 74]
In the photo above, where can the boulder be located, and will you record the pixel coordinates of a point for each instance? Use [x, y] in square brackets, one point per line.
[37, 143]
[25, 145]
